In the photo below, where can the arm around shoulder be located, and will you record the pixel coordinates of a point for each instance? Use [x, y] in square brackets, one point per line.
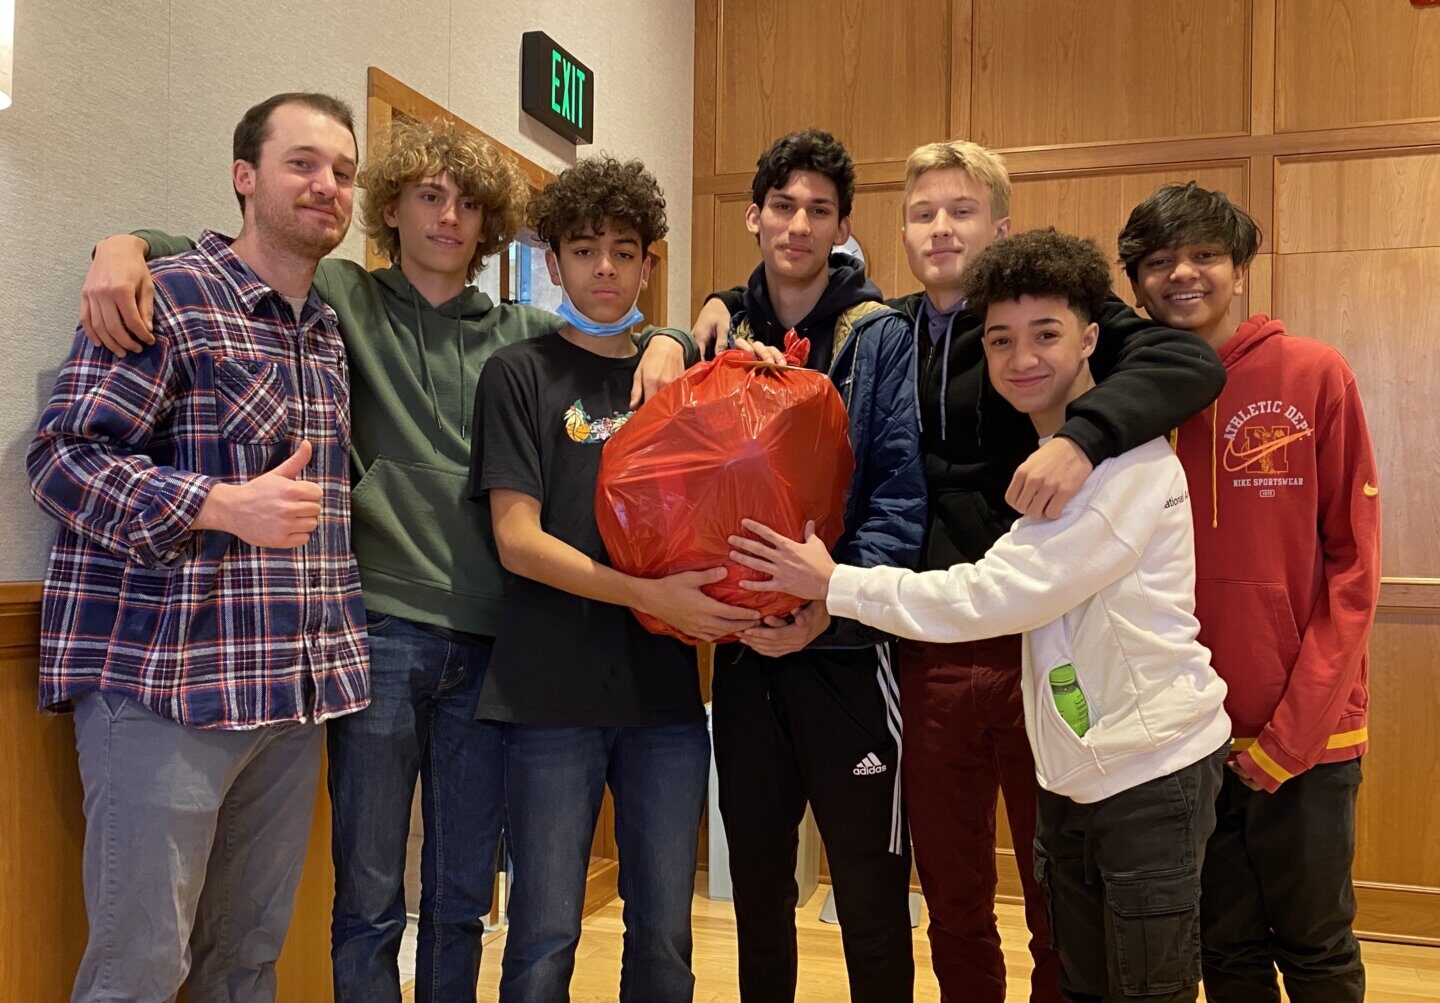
[1149, 380]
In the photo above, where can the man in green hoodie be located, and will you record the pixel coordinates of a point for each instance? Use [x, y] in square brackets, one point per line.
[417, 334]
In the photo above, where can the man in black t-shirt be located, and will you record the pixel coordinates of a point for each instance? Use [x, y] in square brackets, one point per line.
[587, 696]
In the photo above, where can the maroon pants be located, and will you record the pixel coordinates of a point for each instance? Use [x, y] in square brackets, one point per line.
[964, 742]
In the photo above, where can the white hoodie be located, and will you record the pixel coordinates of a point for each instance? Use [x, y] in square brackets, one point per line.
[1109, 587]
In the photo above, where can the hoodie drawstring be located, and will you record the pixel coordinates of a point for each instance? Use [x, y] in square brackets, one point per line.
[921, 318]
[460, 351]
[425, 367]
[945, 378]
[1214, 463]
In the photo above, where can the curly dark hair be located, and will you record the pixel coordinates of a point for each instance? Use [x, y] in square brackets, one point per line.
[1039, 263]
[807, 150]
[594, 190]
[1187, 214]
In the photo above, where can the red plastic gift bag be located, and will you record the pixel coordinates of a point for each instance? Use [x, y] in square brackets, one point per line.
[731, 439]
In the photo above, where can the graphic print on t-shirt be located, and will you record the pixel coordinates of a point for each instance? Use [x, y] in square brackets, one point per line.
[581, 428]
[1258, 438]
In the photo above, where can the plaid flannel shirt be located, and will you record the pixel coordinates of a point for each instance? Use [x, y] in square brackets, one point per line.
[199, 626]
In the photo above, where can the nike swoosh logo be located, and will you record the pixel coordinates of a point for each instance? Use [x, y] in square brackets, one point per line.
[1370, 490]
[1249, 456]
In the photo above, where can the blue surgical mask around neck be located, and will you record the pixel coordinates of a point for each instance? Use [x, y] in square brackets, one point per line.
[571, 314]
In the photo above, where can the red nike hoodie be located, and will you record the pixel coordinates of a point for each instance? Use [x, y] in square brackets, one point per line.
[1287, 549]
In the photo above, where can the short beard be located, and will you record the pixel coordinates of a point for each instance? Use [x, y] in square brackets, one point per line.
[276, 224]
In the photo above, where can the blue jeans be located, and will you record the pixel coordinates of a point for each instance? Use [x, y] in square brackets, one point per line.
[423, 691]
[554, 781]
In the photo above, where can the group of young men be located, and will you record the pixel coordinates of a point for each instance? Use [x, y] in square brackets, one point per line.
[267, 463]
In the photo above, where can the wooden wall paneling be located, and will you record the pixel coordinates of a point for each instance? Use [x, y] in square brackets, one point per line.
[1260, 200]
[962, 62]
[1110, 156]
[1062, 72]
[870, 73]
[1097, 204]
[1003, 837]
[1398, 827]
[875, 221]
[1007, 877]
[1401, 914]
[1359, 201]
[1175, 151]
[303, 971]
[42, 829]
[1398, 593]
[874, 172]
[1262, 67]
[707, 76]
[702, 251]
[655, 297]
[602, 843]
[1380, 310]
[1341, 63]
[736, 254]
[1259, 285]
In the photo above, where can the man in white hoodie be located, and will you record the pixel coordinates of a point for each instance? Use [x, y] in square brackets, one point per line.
[1124, 713]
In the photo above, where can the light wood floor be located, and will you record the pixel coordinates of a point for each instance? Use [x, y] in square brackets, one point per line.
[1396, 973]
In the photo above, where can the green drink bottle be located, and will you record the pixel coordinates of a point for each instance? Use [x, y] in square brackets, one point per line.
[1069, 700]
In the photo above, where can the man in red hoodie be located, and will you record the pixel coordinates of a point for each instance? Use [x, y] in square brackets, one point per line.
[1287, 555]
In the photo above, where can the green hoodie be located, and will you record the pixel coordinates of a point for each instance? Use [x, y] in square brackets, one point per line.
[425, 552]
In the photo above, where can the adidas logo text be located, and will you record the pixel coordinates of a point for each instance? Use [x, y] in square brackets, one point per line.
[869, 765]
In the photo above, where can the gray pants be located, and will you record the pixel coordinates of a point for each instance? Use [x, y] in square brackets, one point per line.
[194, 843]
[1122, 884]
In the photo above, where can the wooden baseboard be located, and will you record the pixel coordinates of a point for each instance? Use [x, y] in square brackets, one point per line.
[601, 883]
[1399, 914]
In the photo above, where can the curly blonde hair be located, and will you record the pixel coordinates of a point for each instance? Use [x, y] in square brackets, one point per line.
[480, 171]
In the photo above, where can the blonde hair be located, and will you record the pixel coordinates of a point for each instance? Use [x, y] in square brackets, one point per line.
[983, 165]
[479, 170]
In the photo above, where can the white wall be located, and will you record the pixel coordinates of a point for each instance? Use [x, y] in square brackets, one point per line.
[124, 109]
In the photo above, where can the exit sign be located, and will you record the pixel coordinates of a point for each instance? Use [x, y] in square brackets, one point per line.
[556, 88]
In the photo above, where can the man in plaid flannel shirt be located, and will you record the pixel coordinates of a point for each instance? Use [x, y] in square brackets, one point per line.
[202, 609]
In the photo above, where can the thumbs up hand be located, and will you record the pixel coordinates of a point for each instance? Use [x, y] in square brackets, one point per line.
[272, 510]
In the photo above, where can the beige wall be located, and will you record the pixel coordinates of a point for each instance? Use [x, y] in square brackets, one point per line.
[123, 113]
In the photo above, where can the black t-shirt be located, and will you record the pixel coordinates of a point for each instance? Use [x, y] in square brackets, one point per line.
[543, 412]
